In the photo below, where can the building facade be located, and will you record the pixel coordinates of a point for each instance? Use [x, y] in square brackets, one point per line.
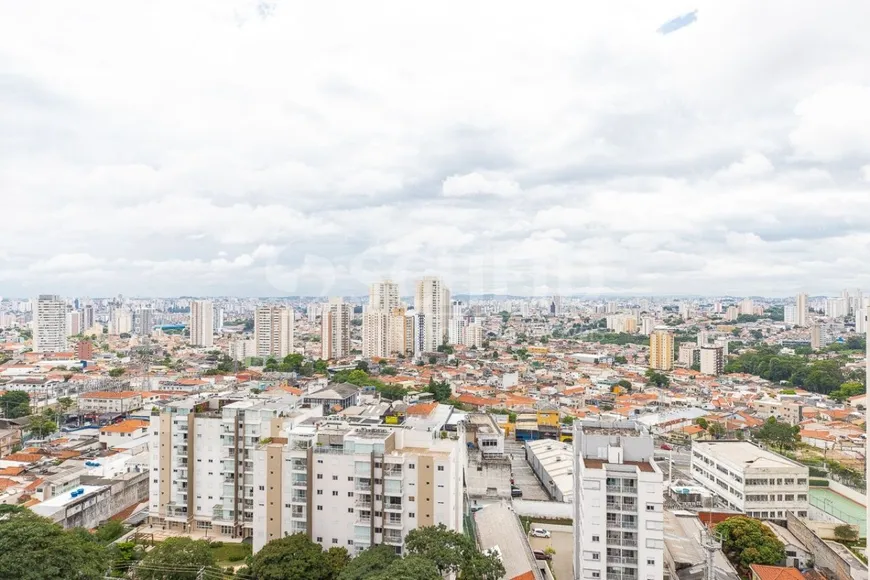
[661, 349]
[335, 329]
[49, 324]
[712, 360]
[432, 300]
[201, 323]
[273, 331]
[618, 503]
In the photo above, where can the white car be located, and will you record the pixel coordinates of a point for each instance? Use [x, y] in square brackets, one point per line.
[539, 533]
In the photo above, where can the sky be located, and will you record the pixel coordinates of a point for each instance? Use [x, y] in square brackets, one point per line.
[244, 147]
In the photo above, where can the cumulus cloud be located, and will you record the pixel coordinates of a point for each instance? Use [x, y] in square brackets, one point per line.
[571, 148]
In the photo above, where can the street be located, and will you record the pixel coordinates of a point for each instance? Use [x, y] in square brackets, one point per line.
[524, 477]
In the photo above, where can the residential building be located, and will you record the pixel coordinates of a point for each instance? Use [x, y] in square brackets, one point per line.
[712, 360]
[145, 321]
[455, 333]
[334, 397]
[689, 354]
[201, 323]
[473, 336]
[622, 323]
[747, 307]
[802, 311]
[731, 313]
[218, 319]
[647, 325]
[273, 331]
[109, 401]
[618, 502]
[49, 324]
[789, 314]
[784, 411]
[753, 480]
[357, 486]
[73, 323]
[384, 296]
[429, 301]
[376, 331]
[335, 329]
[661, 349]
[85, 350]
[818, 337]
[120, 321]
[202, 465]
[122, 433]
[241, 349]
[88, 319]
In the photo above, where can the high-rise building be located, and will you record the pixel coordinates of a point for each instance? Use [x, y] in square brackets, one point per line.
[312, 311]
[273, 331]
[49, 324]
[647, 325]
[241, 349]
[201, 323]
[457, 322]
[384, 296]
[818, 337]
[556, 305]
[747, 307]
[731, 313]
[356, 486]
[73, 323]
[145, 321]
[85, 350]
[688, 354]
[376, 330]
[473, 336]
[88, 319]
[802, 311]
[218, 319]
[661, 349]
[120, 321]
[429, 301]
[712, 360]
[618, 502]
[335, 329]
[789, 314]
[836, 308]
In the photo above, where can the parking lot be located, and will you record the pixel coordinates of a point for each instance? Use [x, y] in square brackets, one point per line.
[524, 477]
[562, 541]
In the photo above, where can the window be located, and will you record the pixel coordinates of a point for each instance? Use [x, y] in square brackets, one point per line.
[650, 507]
[319, 538]
[319, 492]
[350, 542]
[334, 540]
[334, 478]
[350, 494]
[412, 515]
[320, 509]
[335, 493]
[650, 562]
[319, 476]
[596, 538]
[440, 468]
[410, 466]
[350, 479]
[378, 530]
[350, 510]
[262, 488]
[596, 556]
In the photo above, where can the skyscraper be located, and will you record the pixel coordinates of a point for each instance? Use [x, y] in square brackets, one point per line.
[49, 324]
[383, 296]
[802, 312]
[146, 321]
[218, 320]
[712, 360]
[661, 349]
[73, 323]
[618, 502]
[335, 329]
[429, 301]
[273, 331]
[457, 323]
[201, 323]
[88, 319]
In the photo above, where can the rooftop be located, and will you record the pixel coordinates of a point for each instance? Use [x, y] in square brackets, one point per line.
[745, 455]
[644, 466]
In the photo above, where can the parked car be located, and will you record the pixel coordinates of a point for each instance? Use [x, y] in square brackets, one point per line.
[666, 447]
[542, 555]
[539, 533]
[516, 492]
[476, 508]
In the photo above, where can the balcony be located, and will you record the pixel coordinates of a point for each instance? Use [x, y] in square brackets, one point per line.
[624, 523]
[363, 501]
[363, 520]
[180, 450]
[393, 506]
[299, 498]
[181, 475]
[393, 471]
[176, 510]
[392, 537]
[626, 542]
[300, 465]
[300, 480]
[620, 489]
[362, 487]
[622, 560]
[621, 507]
[393, 522]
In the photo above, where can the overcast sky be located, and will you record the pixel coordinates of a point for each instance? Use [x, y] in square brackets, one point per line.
[215, 147]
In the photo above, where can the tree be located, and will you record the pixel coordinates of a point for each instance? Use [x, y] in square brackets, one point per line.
[64, 404]
[716, 430]
[845, 533]
[369, 562]
[846, 390]
[117, 372]
[747, 541]
[15, 404]
[34, 548]
[656, 378]
[362, 366]
[620, 360]
[440, 390]
[294, 558]
[778, 434]
[110, 531]
[625, 384]
[452, 552]
[176, 559]
[702, 423]
[410, 568]
[41, 426]
[389, 371]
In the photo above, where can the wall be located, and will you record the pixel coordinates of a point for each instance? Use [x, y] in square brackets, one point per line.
[108, 502]
[825, 556]
[852, 494]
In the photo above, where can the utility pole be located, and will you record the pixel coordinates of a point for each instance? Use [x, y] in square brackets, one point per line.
[712, 543]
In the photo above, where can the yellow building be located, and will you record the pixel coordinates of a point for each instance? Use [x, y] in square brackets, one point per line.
[661, 349]
[537, 349]
[548, 418]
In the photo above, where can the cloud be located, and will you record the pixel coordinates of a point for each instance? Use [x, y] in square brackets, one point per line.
[479, 184]
[571, 148]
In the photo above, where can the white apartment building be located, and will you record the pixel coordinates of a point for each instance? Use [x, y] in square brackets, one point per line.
[802, 310]
[432, 300]
[753, 480]
[145, 321]
[120, 321]
[73, 323]
[455, 332]
[202, 464]
[473, 336]
[49, 324]
[622, 323]
[241, 349]
[384, 296]
[618, 503]
[712, 360]
[354, 487]
[201, 323]
[689, 354]
[109, 401]
[376, 331]
[335, 329]
[273, 331]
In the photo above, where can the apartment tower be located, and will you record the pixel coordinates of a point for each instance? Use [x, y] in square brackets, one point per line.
[273, 331]
[432, 301]
[49, 323]
[661, 349]
[201, 323]
[335, 329]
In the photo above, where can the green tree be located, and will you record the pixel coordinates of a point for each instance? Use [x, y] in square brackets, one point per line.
[34, 548]
[846, 390]
[117, 372]
[294, 558]
[620, 360]
[110, 531]
[440, 390]
[389, 371]
[410, 568]
[41, 426]
[625, 384]
[846, 533]
[369, 562]
[716, 430]
[64, 404]
[656, 378]
[747, 541]
[176, 559]
[362, 366]
[452, 552]
[702, 423]
[781, 435]
[15, 404]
